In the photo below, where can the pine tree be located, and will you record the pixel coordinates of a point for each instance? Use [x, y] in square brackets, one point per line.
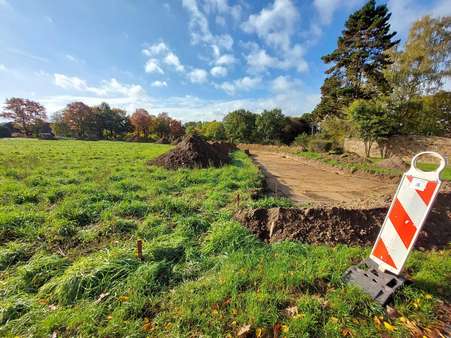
[361, 53]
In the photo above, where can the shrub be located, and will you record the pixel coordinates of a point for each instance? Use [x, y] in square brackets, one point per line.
[320, 145]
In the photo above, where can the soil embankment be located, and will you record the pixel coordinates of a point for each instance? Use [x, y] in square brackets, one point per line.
[343, 208]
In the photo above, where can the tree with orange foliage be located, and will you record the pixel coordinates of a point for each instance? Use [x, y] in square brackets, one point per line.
[141, 120]
[24, 113]
[78, 117]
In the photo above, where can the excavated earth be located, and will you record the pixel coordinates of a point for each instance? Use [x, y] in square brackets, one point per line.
[344, 209]
[342, 226]
[195, 152]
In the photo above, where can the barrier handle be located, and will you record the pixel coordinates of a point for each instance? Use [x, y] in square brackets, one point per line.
[428, 174]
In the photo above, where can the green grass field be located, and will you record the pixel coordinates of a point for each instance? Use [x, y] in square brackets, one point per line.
[70, 215]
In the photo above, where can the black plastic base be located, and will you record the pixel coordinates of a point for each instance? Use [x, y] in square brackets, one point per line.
[378, 284]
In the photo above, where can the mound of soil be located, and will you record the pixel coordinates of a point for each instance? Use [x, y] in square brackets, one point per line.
[338, 225]
[193, 152]
[394, 162]
[224, 147]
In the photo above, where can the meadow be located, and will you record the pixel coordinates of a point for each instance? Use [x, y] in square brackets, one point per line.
[72, 211]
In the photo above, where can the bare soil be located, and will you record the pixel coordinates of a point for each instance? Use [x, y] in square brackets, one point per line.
[306, 182]
[342, 226]
[195, 152]
[343, 208]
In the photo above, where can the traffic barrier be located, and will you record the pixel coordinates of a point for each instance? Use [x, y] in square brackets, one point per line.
[379, 275]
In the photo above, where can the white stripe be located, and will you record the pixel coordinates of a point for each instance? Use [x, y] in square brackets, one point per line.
[394, 244]
[412, 203]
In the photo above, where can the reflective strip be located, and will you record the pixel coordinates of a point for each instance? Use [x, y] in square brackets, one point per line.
[394, 244]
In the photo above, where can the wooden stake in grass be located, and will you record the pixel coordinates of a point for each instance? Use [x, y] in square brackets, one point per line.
[139, 249]
[237, 200]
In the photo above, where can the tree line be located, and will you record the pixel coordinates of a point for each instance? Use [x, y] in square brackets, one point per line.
[81, 121]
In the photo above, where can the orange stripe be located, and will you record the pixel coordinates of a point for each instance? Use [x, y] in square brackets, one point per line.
[381, 252]
[402, 223]
[428, 192]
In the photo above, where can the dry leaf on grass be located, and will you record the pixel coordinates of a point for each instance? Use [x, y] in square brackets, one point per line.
[290, 311]
[244, 330]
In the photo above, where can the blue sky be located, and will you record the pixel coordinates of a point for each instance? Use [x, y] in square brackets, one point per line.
[195, 59]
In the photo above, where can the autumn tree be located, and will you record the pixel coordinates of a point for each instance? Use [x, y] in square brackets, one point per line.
[78, 116]
[176, 129]
[24, 113]
[59, 125]
[361, 54]
[140, 120]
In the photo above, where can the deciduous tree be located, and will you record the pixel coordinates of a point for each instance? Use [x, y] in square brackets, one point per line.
[24, 113]
[79, 118]
[239, 126]
[269, 125]
[140, 120]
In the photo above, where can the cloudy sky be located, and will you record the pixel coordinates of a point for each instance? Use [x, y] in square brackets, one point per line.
[195, 59]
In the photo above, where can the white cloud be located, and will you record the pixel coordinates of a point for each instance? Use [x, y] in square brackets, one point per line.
[3, 67]
[173, 60]
[275, 24]
[111, 87]
[156, 49]
[68, 82]
[199, 30]
[159, 84]
[326, 9]
[218, 71]
[160, 51]
[73, 58]
[222, 7]
[246, 83]
[405, 12]
[259, 60]
[226, 59]
[198, 76]
[153, 67]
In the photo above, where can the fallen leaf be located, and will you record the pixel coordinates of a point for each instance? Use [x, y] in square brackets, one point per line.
[258, 332]
[147, 327]
[389, 327]
[109, 317]
[276, 330]
[377, 321]
[285, 328]
[345, 332]
[244, 330]
[392, 312]
[52, 307]
[290, 311]
[101, 297]
[334, 319]
[428, 296]
[123, 298]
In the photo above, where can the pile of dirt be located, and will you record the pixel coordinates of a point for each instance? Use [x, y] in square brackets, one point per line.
[314, 225]
[224, 147]
[193, 152]
[339, 225]
[393, 162]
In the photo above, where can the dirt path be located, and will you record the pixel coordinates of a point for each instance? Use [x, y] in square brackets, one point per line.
[304, 182]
